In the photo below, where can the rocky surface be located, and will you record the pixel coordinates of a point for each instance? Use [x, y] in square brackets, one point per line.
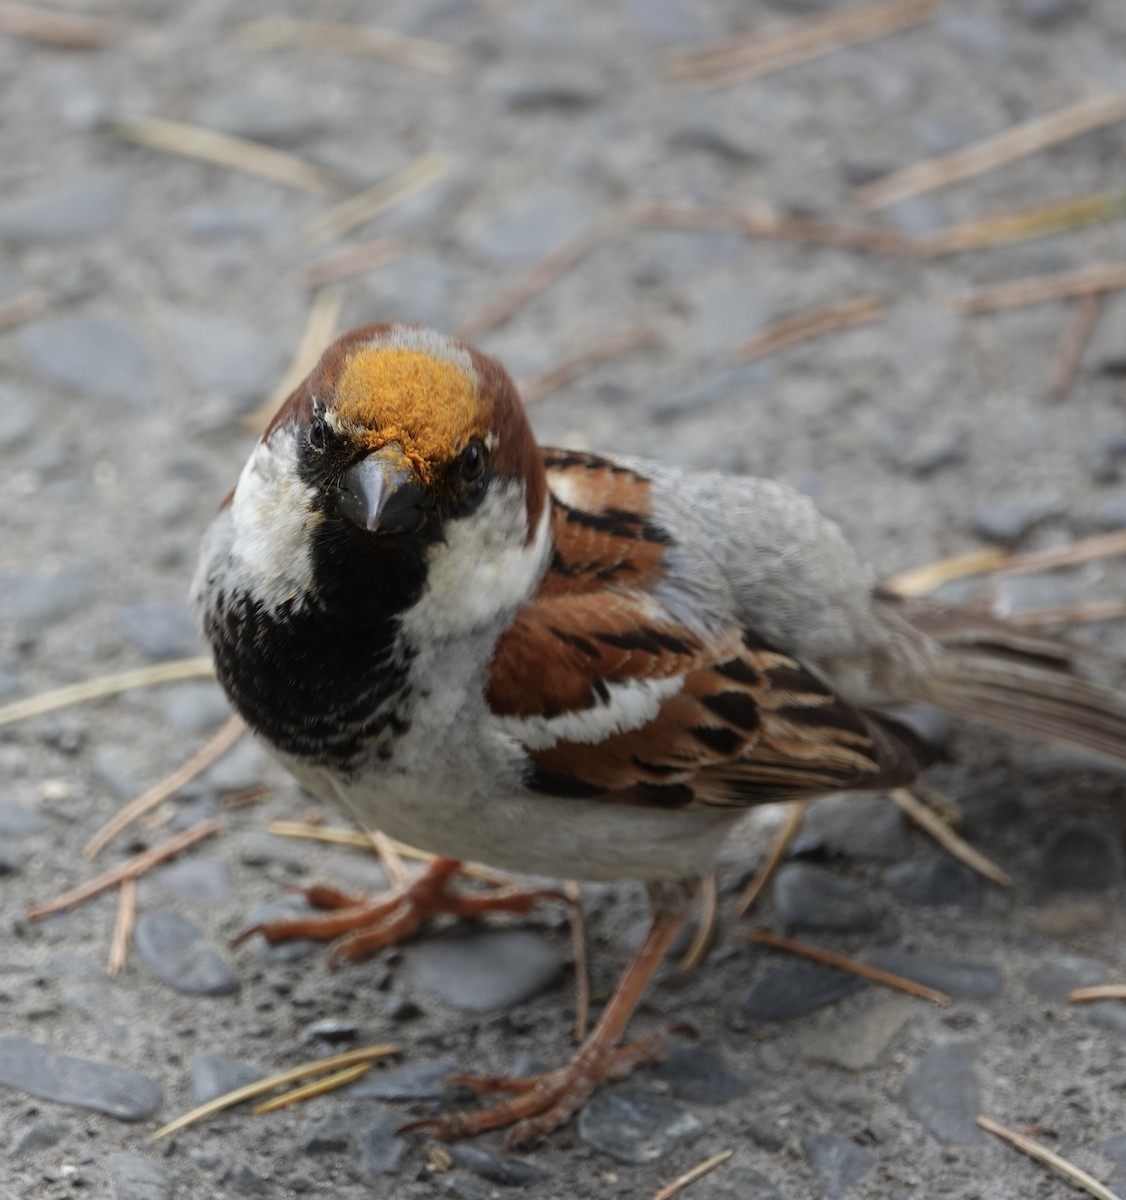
[176, 292]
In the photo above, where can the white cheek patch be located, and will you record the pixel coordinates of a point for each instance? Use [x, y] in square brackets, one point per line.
[273, 525]
[632, 703]
[484, 570]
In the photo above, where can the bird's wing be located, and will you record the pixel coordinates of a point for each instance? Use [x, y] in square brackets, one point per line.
[613, 697]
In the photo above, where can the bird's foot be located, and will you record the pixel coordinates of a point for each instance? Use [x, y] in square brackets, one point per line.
[359, 926]
[542, 1103]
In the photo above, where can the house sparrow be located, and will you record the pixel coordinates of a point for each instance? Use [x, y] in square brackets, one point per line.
[565, 664]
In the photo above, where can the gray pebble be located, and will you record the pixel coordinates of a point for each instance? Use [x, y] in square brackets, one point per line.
[986, 811]
[483, 970]
[18, 417]
[420, 1079]
[378, 1150]
[1083, 856]
[39, 597]
[82, 207]
[980, 37]
[333, 1030]
[726, 314]
[634, 1126]
[215, 221]
[854, 826]
[11, 858]
[1110, 512]
[39, 1071]
[956, 977]
[257, 849]
[858, 1041]
[837, 1160]
[936, 881]
[175, 950]
[246, 1181]
[417, 287]
[282, 119]
[205, 882]
[942, 133]
[19, 821]
[708, 389]
[1057, 976]
[806, 896]
[114, 771]
[161, 631]
[796, 989]
[700, 1075]
[942, 1093]
[741, 1183]
[214, 1073]
[1046, 14]
[508, 1172]
[549, 89]
[138, 1178]
[1115, 1149]
[223, 355]
[39, 1135]
[195, 707]
[668, 21]
[1107, 1014]
[917, 216]
[1007, 519]
[94, 355]
[240, 768]
[284, 908]
[528, 228]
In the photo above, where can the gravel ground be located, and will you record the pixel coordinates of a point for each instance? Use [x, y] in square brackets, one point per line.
[176, 294]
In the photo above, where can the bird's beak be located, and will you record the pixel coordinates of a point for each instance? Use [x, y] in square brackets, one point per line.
[382, 494]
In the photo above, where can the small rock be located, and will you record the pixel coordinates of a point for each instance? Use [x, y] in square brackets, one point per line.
[1110, 512]
[80, 208]
[161, 631]
[484, 970]
[39, 1071]
[508, 1172]
[214, 1073]
[1107, 1014]
[796, 989]
[39, 597]
[195, 707]
[39, 1135]
[417, 287]
[223, 355]
[956, 977]
[1047, 14]
[858, 1041]
[214, 221]
[246, 1181]
[996, 808]
[917, 216]
[744, 1184]
[282, 119]
[670, 22]
[932, 452]
[811, 897]
[420, 1079]
[978, 36]
[284, 908]
[19, 821]
[703, 127]
[942, 1093]
[379, 1150]
[634, 1126]
[726, 313]
[708, 389]
[936, 881]
[401, 1008]
[240, 768]
[942, 133]
[333, 1030]
[700, 1075]
[1115, 1149]
[177, 953]
[1055, 977]
[1007, 519]
[838, 1161]
[258, 849]
[552, 89]
[1083, 855]
[113, 769]
[138, 1178]
[95, 356]
[528, 228]
[11, 858]
[17, 417]
[854, 826]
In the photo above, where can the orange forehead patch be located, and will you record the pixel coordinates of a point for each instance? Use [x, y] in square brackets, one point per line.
[427, 404]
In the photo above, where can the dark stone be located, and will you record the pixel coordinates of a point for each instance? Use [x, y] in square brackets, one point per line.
[837, 1160]
[96, 356]
[955, 977]
[796, 989]
[509, 1172]
[996, 808]
[853, 826]
[246, 1181]
[177, 953]
[1055, 977]
[379, 1149]
[39, 1135]
[1006, 519]
[38, 597]
[936, 881]
[484, 970]
[1047, 14]
[333, 1030]
[421, 1079]
[138, 1178]
[214, 1073]
[202, 881]
[1084, 856]
[812, 897]
[942, 1093]
[634, 1126]
[19, 821]
[39, 1071]
[700, 1075]
[11, 858]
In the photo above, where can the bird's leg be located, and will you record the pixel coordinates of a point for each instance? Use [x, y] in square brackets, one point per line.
[360, 926]
[543, 1103]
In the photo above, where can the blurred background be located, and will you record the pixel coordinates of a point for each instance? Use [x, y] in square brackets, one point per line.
[877, 250]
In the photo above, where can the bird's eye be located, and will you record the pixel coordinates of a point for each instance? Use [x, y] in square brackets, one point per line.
[317, 432]
[473, 462]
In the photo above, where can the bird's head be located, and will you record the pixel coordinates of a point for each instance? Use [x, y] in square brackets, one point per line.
[402, 450]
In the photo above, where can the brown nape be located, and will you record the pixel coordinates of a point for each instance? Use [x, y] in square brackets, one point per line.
[516, 454]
